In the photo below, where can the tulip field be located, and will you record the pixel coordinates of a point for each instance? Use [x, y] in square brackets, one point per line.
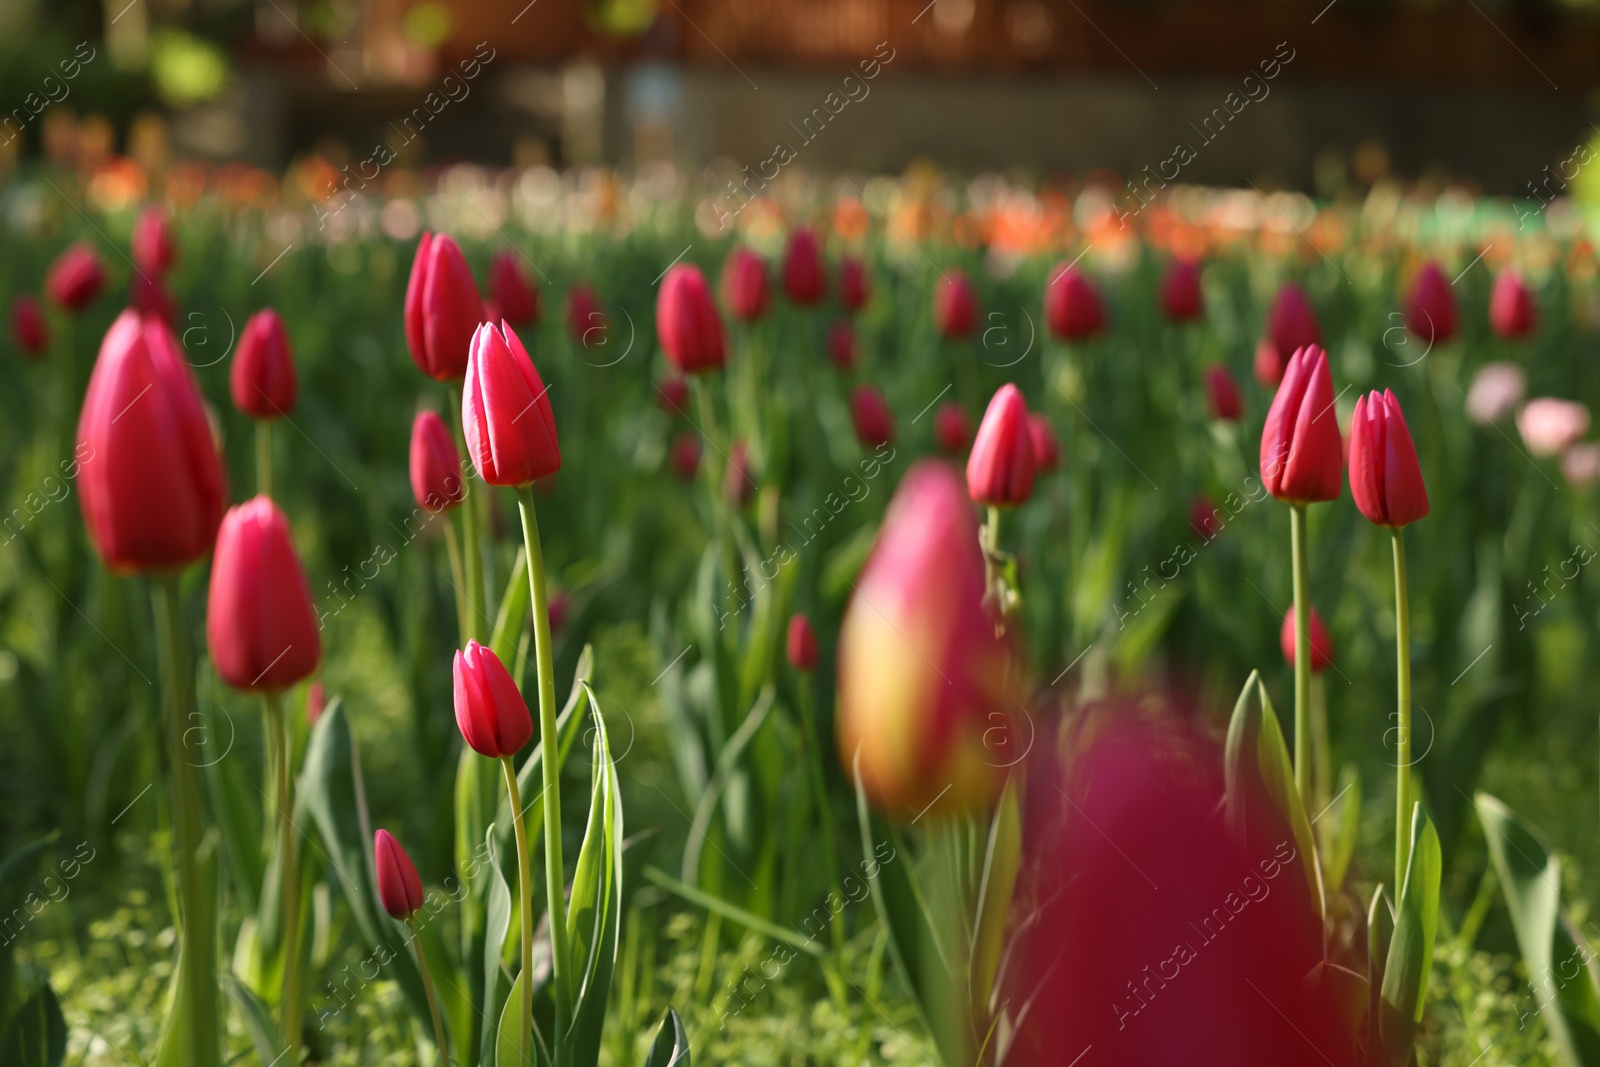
[519, 619]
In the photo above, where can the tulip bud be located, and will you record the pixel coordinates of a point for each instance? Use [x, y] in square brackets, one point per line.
[802, 644]
[955, 305]
[316, 702]
[842, 346]
[586, 319]
[28, 329]
[152, 485]
[442, 308]
[260, 623]
[1550, 426]
[435, 465]
[687, 322]
[1512, 313]
[1072, 306]
[75, 278]
[515, 296]
[1203, 517]
[1291, 322]
[1222, 394]
[148, 295]
[1046, 450]
[262, 378]
[490, 711]
[1302, 455]
[744, 285]
[505, 411]
[1000, 468]
[1321, 643]
[921, 671]
[399, 886]
[737, 486]
[803, 279]
[686, 455]
[951, 428]
[1431, 313]
[1385, 479]
[855, 285]
[869, 412]
[1495, 392]
[672, 393]
[1181, 300]
[153, 251]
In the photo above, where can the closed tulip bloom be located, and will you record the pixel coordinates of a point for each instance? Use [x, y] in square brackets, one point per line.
[435, 464]
[1181, 299]
[737, 485]
[399, 886]
[855, 284]
[803, 279]
[921, 672]
[1385, 479]
[686, 455]
[75, 278]
[842, 346]
[1549, 426]
[1512, 313]
[515, 295]
[801, 644]
[874, 425]
[672, 393]
[147, 293]
[687, 323]
[586, 319]
[260, 623]
[28, 328]
[955, 305]
[951, 428]
[1046, 449]
[153, 249]
[1431, 313]
[745, 289]
[1000, 468]
[490, 711]
[1302, 455]
[262, 378]
[1321, 642]
[151, 483]
[1291, 322]
[1222, 394]
[1072, 306]
[442, 309]
[505, 411]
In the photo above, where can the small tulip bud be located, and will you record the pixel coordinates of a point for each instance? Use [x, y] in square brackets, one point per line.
[1385, 478]
[490, 712]
[1001, 466]
[442, 308]
[436, 480]
[687, 323]
[399, 886]
[802, 644]
[1321, 642]
[509, 426]
[1072, 306]
[1302, 454]
[262, 378]
[261, 626]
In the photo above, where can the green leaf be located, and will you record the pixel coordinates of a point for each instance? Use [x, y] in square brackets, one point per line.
[238, 817]
[36, 1036]
[896, 898]
[1002, 859]
[727, 760]
[594, 918]
[257, 1019]
[1338, 826]
[671, 1046]
[569, 725]
[733, 912]
[1405, 972]
[510, 1047]
[1380, 933]
[16, 874]
[497, 924]
[515, 614]
[1558, 964]
[844, 561]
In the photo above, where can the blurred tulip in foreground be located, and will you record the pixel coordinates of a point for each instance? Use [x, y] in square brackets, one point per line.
[1385, 478]
[261, 626]
[28, 330]
[955, 305]
[842, 346]
[1072, 306]
[745, 288]
[1549, 426]
[1321, 642]
[436, 480]
[803, 279]
[1431, 313]
[951, 428]
[855, 284]
[687, 323]
[76, 277]
[1302, 455]
[399, 885]
[1222, 394]
[1001, 466]
[509, 426]
[490, 711]
[442, 308]
[1046, 449]
[801, 644]
[153, 249]
[515, 296]
[1512, 312]
[874, 425]
[1180, 290]
[262, 379]
[1495, 392]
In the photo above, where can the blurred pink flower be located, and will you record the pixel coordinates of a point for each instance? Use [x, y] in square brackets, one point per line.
[1496, 391]
[1549, 426]
[1581, 465]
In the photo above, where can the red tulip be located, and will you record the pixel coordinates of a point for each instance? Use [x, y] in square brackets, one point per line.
[586, 319]
[1222, 394]
[1321, 642]
[1268, 364]
[1431, 313]
[435, 465]
[922, 674]
[490, 711]
[744, 285]
[1512, 313]
[505, 411]
[1291, 322]
[556, 608]
[842, 346]
[443, 308]
[399, 886]
[28, 327]
[955, 305]
[75, 278]
[803, 278]
[737, 486]
[687, 322]
[951, 428]
[801, 644]
[153, 249]
[262, 378]
[869, 412]
[515, 295]
[1203, 516]
[316, 702]
[686, 455]
[1072, 306]
[1000, 468]
[1302, 456]
[1385, 479]
[855, 284]
[672, 393]
[260, 623]
[1046, 450]
[152, 483]
[147, 293]
[1181, 300]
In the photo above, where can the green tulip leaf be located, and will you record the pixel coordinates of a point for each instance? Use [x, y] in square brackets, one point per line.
[514, 616]
[1380, 934]
[36, 1036]
[497, 925]
[671, 1046]
[265, 1035]
[727, 762]
[1339, 825]
[594, 916]
[1410, 959]
[512, 1047]
[1001, 862]
[16, 875]
[897, 899]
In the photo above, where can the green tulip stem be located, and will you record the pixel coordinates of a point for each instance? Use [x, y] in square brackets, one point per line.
[555, 879]
[1402, 642]
[264, 457]
[280, 741]
[196, 1008]
[427, 985]
[819, 789]
[1302, 653]
[525, 884]
[472, 554]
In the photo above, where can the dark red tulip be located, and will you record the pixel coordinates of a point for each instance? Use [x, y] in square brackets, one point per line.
[490, 711]
[1181, 300]
[744, 285]
[1001, 467]
[1203, 517]
[1222, 394]
[1046, 449]
[262, 378]
[855, 284]
[557, 607]
[1302, 455]
[260, 624]
[1321, 641]
[28, 328]
[803, 279]
[955, 305]
[316, 702]
[951, 428]
[75, 278]
[801, 644]
[443, 308]
[1291, 323]
[147, 294]
[1072, 306]
[687, 323]
[1385, 479]
[672, 393]
[399, 886]
[152, 486]
[1431, 313]
[153, 250]
[505, 411]
[586, 319]
[515, 295]
[686, 455]
[737, 485]
[874, 425]
[842, 346]
[1512, 312]
[436, 480]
